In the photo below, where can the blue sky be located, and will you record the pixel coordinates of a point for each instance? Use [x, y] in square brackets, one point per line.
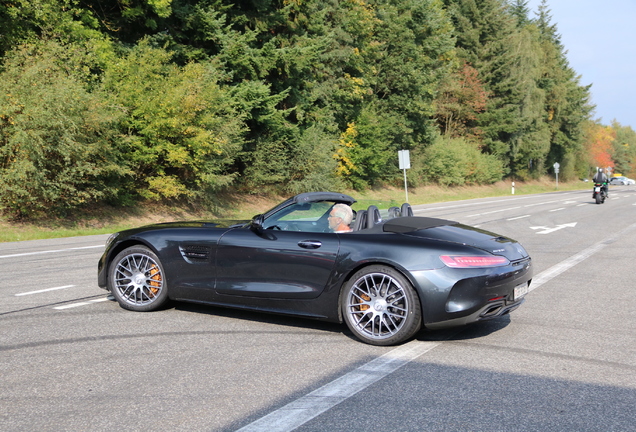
[600, 39]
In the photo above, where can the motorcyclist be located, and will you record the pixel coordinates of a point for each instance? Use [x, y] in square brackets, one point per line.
[601, 179]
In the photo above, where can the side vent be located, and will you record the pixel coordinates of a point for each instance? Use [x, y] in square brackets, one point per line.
[195, 254]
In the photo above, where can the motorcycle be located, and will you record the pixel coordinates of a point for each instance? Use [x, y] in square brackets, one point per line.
[600, 192]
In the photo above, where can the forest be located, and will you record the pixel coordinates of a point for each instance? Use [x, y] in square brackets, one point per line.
[117, 102]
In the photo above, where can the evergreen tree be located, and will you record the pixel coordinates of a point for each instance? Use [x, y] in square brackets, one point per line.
[489, 39]
[567, 104]
[519, 9]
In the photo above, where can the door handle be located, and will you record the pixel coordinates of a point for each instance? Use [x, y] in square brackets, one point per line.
[310, 244]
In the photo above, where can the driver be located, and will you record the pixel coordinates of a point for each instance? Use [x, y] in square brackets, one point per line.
[340, 218]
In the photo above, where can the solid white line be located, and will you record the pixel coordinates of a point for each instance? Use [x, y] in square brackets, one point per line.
[72, 305]
[44, 290]
[304, 409]
[315, 403]
[49, 251]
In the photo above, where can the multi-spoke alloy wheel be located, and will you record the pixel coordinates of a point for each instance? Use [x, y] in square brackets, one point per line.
[137, 280]
[380, 306]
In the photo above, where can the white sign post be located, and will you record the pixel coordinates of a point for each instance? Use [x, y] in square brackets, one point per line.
[405, 163]
[556, 171]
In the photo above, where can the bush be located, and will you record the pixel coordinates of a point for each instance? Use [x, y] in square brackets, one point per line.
[455, 161]
[55, 137]
[180, 130]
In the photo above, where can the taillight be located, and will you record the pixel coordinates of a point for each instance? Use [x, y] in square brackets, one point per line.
[463, 261]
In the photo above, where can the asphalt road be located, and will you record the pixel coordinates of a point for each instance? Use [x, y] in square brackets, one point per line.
[71, 359]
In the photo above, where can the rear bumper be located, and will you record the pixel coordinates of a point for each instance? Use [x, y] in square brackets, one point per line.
[489, 311]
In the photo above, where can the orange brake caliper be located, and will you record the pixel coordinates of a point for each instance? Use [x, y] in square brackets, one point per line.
[155, 276]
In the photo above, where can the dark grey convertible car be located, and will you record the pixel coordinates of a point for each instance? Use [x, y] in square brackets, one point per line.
[392, 275]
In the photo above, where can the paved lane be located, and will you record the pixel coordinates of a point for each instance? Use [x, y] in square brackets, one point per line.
[565, 360]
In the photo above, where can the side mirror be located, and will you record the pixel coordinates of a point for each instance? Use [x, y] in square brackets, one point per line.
[257, 223]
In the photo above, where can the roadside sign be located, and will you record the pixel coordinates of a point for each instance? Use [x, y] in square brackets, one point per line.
[405, 159]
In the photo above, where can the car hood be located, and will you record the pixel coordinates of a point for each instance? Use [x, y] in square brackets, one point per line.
[453, 232]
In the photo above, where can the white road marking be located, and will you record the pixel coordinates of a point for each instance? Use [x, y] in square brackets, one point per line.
[486, 202]
[49, 251]
[73, 305]
[558, 209]
[546, 230]
[518, 217]
[541, 203]
[44, 290]
[568, 263]
[494, 211]
[304, 409]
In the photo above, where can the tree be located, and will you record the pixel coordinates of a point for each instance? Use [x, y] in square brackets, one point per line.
[461, 98]
[599, 144]
[180, 130]
[624, 152]
[56, 138]
[488, 39]
[567, 105]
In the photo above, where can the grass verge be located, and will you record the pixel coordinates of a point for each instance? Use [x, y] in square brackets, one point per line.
[106, 220]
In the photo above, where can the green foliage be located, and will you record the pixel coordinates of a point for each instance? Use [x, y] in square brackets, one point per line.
[180, 129]
[185, 98]
[455, 162]
[624, 150]
[55, 138]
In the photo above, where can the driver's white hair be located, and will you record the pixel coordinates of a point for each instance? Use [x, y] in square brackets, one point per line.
[344, 212]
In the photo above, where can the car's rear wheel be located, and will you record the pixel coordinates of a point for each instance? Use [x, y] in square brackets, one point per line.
[380, 306]
[137, 280]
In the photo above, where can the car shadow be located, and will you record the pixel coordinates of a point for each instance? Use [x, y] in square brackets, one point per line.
[260, 317]
[466, 332]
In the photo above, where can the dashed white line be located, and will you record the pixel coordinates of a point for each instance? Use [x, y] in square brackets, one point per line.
[73, 305]
[518, 217]
[568, 263]
[44, 290]
[541, 203]
[494, 211]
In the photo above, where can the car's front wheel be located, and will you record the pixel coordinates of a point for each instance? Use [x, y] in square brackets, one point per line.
[137, 280]
[380, 306]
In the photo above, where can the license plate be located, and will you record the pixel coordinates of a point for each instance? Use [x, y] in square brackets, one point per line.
[520, 291]
[597, 189]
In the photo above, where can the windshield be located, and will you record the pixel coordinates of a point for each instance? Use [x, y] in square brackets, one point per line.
[309, 217]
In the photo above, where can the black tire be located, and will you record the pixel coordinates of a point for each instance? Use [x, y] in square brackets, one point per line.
[137, 280]
[599, 200]
[380, 306]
